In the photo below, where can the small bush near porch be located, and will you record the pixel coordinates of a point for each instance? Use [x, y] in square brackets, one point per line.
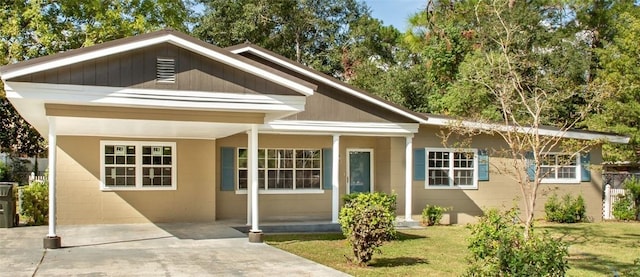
[595, 249]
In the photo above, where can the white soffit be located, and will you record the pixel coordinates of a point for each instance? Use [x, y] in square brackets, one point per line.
[170, 38]
[345, 128]
[117, 96]
[29, 100]
[328, 82]
[545, 132]
[132, 128]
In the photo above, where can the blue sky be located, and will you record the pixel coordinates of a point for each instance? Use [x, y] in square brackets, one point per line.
[395, 12]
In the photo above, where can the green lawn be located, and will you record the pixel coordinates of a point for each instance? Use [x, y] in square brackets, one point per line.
[596, 249]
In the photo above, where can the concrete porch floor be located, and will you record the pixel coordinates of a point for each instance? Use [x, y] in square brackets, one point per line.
[176, 249]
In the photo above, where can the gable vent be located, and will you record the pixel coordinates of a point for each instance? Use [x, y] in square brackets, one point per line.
[165, 70]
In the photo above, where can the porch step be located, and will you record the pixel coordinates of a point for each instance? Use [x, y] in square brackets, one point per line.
[295, 228]
[315, 227]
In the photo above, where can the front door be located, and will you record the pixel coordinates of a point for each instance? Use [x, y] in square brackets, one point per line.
[360, 173]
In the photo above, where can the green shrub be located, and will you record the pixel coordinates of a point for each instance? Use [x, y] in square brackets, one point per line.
[35, 203]
[498, 248]
[567, 210]
[432, 214]
[623, 209]
[367, 220]
[4, 172]
[628, 206]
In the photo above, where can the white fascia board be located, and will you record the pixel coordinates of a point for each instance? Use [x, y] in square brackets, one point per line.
[527, 130]
[83, 57]
[335, 127]
[153, 98]
[153, 41]
[328, 82]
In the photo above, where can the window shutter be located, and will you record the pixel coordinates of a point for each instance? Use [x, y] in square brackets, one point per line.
[585, 164]
[228, 168]
[327, 168]
[483, 165]
[531, 165]
[419, 165]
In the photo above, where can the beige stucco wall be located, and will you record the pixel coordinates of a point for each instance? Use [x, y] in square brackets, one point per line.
[198, 196]
[501, 191]
[80, 200]
[295, 206]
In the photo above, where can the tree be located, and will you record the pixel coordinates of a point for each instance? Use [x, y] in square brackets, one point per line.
[619, 77]
[516, 67]
[34, 28]
[311, 32]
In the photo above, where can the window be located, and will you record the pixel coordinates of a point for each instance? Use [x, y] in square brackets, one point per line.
[452, 168]
[559, 168]
[283, 169]
[138, 165]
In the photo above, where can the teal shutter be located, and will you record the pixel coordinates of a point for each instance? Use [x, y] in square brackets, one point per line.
[228, 168]
[585, 164]
[419, 165]
[483, 165]
[531, 165]
[327, 168]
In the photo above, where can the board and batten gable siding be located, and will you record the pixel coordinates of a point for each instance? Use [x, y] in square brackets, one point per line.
[500, 190]
[137, 69]
[331, 104]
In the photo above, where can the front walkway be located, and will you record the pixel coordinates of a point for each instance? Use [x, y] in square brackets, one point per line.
[186, 249]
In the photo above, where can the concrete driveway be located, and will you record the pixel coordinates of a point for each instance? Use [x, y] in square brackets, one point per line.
[191, 249]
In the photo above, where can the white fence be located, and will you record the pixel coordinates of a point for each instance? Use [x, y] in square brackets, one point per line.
[34, 178]
[610, 197]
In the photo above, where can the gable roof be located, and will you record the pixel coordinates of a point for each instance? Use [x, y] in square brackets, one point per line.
[140, 41]
[326, 79]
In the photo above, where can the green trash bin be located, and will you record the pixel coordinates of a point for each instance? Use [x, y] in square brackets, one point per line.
[7, 206]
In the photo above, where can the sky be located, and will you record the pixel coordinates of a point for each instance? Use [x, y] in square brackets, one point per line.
[395, 12]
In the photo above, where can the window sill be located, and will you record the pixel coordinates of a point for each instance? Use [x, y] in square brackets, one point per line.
[560, 181]
[284, 191]
[136, 188]
[450, 188]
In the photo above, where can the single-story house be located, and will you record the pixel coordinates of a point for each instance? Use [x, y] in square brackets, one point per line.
[162, 127]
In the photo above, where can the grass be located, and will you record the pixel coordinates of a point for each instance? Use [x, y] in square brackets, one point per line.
[595, 249]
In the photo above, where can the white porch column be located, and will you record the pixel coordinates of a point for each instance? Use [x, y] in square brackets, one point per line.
[255, 234]
[408, 149]
[335, 193]
[249, 178]
[52, 240]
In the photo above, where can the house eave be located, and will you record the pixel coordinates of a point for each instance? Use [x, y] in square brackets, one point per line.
[31, 101]
[570, 134]
[305, 127]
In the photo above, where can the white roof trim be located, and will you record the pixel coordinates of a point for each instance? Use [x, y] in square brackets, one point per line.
[170, 38]
[339, 127]
[545, 132]
[328, 82]
[153, 98]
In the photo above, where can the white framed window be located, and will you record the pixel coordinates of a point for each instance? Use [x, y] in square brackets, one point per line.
[137, 165]
[451, 168]
[283, 169]
[560, 168]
